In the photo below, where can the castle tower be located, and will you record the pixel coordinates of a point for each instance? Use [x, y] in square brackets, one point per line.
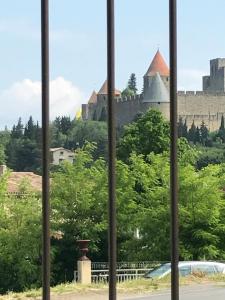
[158, 65]
[157, 92]
[93, 98]
[215, 82]
[104, 90]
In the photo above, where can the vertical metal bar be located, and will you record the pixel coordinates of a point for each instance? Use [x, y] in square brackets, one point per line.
[173, 151]
[45, 149]
[112, 148]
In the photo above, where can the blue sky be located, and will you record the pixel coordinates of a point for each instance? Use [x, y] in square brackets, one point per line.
[78, 48]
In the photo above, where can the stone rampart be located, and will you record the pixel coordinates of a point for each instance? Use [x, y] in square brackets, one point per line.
[202, 106]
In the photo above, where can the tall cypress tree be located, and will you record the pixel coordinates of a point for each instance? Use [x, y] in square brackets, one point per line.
[221, 132]
[197, 136]
[17, 131]
[204, 133]
[192, 132]
[185, 129]
[30, 129]
[132, 83]
[180, 127]
[222, 123]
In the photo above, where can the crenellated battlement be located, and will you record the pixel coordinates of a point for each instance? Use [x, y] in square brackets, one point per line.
[200, 93]
[137, 97]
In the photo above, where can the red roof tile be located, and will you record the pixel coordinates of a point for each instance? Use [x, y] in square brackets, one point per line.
[93, 98]
[16, 178]
[159, 65]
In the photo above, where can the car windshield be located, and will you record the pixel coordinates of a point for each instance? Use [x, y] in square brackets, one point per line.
[159, 271]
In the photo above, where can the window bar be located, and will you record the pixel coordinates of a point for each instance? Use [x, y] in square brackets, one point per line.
[45, 150]
[111, 148]
[173, 150]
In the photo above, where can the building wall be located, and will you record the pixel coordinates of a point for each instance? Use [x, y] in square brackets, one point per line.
[201, 106]
[60, 155]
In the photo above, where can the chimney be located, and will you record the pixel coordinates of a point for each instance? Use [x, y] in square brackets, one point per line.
[3, 168]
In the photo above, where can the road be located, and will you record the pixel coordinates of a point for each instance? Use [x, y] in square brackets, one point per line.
[196, 292]
[208, 292]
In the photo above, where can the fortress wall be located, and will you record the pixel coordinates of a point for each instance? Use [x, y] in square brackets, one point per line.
[198, 106]
[84, 111]
[201, 106]
[127, 109]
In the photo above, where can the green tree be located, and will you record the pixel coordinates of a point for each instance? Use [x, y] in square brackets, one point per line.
[17, 131]
[197, 138]
[83, 187]
[221, 132]
[30, 129]
[20, 239]
[200, 226]
[185, 129]
[88, 131]
[192, 133]
[132, 83]
[204, 133]
[180, 127]
[131, 88]
[149, 133]
[2, 155]
[127, 92]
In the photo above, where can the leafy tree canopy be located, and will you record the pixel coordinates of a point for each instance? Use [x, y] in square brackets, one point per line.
[149, 133]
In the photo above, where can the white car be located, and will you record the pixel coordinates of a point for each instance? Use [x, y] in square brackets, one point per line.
[187, 268]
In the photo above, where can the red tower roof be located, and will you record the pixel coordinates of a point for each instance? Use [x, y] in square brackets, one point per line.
[93, 98]
[159, 65]
[104, 89]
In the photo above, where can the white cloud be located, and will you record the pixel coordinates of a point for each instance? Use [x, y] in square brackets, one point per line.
[190, 79]
[23, 99]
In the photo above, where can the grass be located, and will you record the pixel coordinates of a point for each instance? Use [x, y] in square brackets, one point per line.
[132, 287]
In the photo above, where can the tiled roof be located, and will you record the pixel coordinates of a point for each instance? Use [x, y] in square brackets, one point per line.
[159, 65]
[59, 148]
[16, 179]
[104, 90]
[93, 98]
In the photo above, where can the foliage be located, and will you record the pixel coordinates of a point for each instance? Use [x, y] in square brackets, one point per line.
[79, 195]
[23, 149]
[131, 88]
[83, 215]
[127, 92]
[132, 83]
[210, 156]
[149, 133]
[20, 149]
[20, 242]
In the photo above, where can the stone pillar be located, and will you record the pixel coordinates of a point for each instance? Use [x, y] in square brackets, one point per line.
[84, 271]
[3, 168]
[84, 263]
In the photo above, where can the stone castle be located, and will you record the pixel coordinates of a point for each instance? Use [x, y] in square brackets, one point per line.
[206, 106]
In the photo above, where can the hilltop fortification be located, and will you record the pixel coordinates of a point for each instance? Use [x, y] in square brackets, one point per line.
[206, 106]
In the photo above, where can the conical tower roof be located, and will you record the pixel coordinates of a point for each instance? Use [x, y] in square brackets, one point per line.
[159, 65]
[157, 91]
[93, 98]
[104, 90]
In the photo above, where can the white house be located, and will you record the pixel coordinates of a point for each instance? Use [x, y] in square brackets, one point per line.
[60, 154]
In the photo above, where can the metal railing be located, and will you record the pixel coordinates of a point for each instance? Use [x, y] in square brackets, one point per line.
[102, 276]
[112, 148]
[126, 265]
